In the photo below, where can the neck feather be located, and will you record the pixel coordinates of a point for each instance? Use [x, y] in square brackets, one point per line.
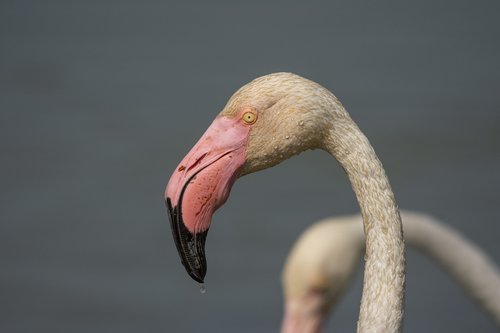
[383, 287]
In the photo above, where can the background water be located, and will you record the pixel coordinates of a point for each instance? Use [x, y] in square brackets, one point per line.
[99, 101]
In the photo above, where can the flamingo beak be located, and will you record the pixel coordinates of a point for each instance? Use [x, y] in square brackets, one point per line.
[200, 185]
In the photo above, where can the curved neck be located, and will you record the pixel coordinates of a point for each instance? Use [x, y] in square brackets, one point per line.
[465, 262]
[383, 286]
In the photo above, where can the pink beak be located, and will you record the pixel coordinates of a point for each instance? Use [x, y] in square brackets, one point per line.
[201, 184]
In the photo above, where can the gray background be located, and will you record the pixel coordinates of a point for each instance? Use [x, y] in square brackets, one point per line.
[99, 101]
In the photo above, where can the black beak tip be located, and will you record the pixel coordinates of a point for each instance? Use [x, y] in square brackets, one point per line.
[191, 247]
[196, 276]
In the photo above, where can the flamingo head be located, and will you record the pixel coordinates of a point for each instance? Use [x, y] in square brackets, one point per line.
[263, 123]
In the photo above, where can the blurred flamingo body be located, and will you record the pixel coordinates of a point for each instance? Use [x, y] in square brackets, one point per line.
[321, 264]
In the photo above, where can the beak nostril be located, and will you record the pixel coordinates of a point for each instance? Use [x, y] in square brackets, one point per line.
[197, 162]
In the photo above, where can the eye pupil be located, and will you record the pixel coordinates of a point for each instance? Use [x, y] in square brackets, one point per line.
[249, 118]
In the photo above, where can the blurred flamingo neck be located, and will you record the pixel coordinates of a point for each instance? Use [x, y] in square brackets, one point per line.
[466, 262]
[383, 287]
[304, 315]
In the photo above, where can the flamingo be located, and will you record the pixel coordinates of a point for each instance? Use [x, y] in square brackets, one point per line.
[265, 122]
[321, 264]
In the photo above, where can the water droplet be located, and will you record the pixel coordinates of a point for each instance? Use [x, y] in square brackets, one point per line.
[203, 289]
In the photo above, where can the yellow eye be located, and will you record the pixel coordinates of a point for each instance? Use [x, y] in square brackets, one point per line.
[249, 118]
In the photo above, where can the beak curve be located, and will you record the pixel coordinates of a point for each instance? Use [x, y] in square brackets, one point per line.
[200, 185]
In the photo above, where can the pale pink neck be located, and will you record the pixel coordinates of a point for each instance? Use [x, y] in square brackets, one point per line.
[383, 287]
